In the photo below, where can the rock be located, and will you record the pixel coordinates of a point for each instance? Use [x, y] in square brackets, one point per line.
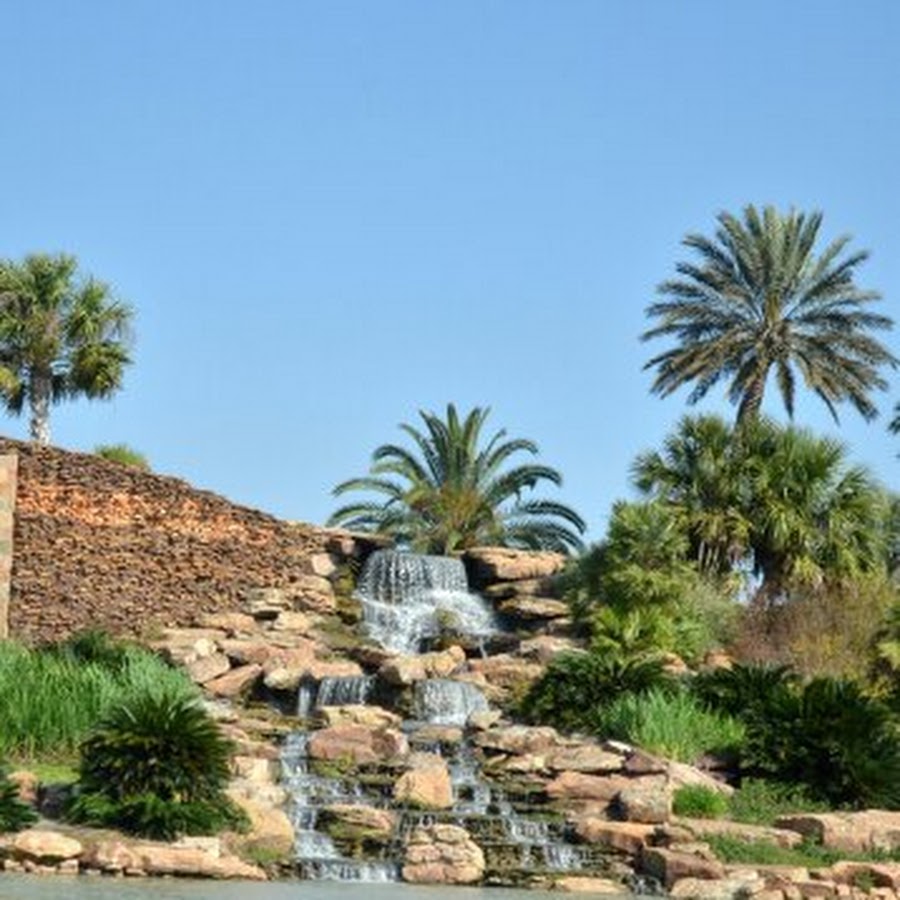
[367, 820]
[746, 833]
[45, 847]
[885, 875]
[545, 648]
[692, 888]
[646, 800]
[235, 682]
[289, 620]
[253, 769]
[582, 884]
[682, 775]
[109, 856]
[357, 744]
[269, 826]
[27, 784]
[442, 854]
[487, 565]
[405, 670]
[436, 734]
[624, 837]
[242, 651]
[506, 671]
[321, 565]
[229, 622]
[849, 832]
[483, 719]
[288, 678]
[585, 758]
[185, 860]
[206, 668]
[358, 714]
[530, 609]
[427, 785]
[518, 739]
[578, 786]
[639, 762]
[670, 866]
[308, 592]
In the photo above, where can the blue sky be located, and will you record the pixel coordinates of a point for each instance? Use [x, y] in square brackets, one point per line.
[330, 215]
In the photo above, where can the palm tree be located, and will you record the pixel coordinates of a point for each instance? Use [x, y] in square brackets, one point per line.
[760, 301]
[453, 491]
[61, 337]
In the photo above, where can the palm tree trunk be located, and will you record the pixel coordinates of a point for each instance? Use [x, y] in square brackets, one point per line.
[751, 402]
[39, 392]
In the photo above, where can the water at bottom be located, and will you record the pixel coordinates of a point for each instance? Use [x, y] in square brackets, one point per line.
[23, 887]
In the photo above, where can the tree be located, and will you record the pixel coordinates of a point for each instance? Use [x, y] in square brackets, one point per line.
[454, 490]
[760, 301]
[61, 336]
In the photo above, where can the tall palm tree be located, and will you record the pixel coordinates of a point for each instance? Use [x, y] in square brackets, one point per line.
[759, 301]
[61, 336]
[454, 490]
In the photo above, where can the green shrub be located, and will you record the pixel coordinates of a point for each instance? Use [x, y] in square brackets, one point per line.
[673, 724]
[14, 814]
[698, 802]
[52, 696]
[760, 802]
[122, 453]
[156, 767]
[576, 686]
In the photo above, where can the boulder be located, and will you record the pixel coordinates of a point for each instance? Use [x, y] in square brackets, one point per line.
[506, 671]
[358, 745]
[883, 875]
[229, 622]
[623, 837]
[358, 714]
[647, 800]
[291, 620]
[741, 831]
[683, 775]
[321, 565]
[669, 866]
[235, 682]
[488, 565]
[531, 609]
[427, 785]
[366, 821]
[584, 884]
[518, 739]
[27, 784]
[269, 826]
[442, 854]
[206, 668]
[113, 857]
[578, 786]
[858, 832]
[545, 648]
[693, 888]
[585, 758]
[190, 861]
[45, 847]
[405, 670]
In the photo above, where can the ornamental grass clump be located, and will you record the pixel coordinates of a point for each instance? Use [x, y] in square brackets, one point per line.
[156, 767]
[14, 813]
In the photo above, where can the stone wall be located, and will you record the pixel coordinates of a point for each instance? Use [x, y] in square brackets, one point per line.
[99, 544]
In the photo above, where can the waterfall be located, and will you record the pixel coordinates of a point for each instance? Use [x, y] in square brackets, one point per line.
[335, 690]
[447, 702]
[409, 597]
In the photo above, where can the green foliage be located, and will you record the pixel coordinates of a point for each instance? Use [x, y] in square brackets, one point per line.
[455, 490]
[695, 801]
[156, 767]
[52, 696]
[14, 814]
[61, 336]
[827, 734]
[576, 686]
[734, 850]
[122, 453]
[670, 723]
[759, 301]
[761, 802]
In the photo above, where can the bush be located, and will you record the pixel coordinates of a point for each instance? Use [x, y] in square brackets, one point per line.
[14, 814]
[698, 802]
[576, 686]
[122, 453]
[673, 724]
[157, 768]
[51, 697]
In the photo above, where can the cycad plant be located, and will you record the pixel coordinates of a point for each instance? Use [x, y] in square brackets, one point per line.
[455, 489]
[760, 301]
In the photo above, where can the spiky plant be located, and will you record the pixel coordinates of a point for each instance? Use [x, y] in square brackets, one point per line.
[454, 490]
[14, 813]
[760, 301]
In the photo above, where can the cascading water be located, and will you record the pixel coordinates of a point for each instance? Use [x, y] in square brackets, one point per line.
[333, 691]
[408, 597]
[443, 701]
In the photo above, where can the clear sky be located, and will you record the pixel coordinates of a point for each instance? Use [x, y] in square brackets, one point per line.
[330, 215]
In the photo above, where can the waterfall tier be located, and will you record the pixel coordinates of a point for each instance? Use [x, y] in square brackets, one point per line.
[443, 701]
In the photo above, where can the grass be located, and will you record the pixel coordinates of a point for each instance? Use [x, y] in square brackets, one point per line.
[760, 802]
[672, 724]
[50, 698]
[698, 802]
[808, 855]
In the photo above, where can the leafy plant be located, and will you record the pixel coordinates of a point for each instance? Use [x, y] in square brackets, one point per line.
[14, 814]
[696, 801]
[122, 453]
[156, 767]
[761, 802]
[576, 687]
[671, 723]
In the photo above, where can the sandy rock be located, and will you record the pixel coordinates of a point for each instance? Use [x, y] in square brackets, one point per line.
[206, 668]
[484, 719]
[377, 822]
[427, 785]
[290, 620]
[694, 888]
[491, 564]
[507, 671]
[639, 762]
[670, 866]
[190, 861]
[358, 744]
[27, 785]
[321, 565]
[44, 847]
[851, 832]
[545, 648]
[288, 678]
[582, 884]
[884, 875]
[358, 714]
[682, 775]
[436, 734]
[404, 670]
[253, 769]
[109, 856]
[579, 786]
[242, 651]
[269, 826]
[532, 609]
[624, 837]
[442, 854]
[230, 622]
[743, 832]
[235, 682]
[585, 758]
[646, 800]
[518, 739]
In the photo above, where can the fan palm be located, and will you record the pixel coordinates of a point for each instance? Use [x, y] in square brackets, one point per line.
[760, 301]
[60, 337]
[454, 490]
